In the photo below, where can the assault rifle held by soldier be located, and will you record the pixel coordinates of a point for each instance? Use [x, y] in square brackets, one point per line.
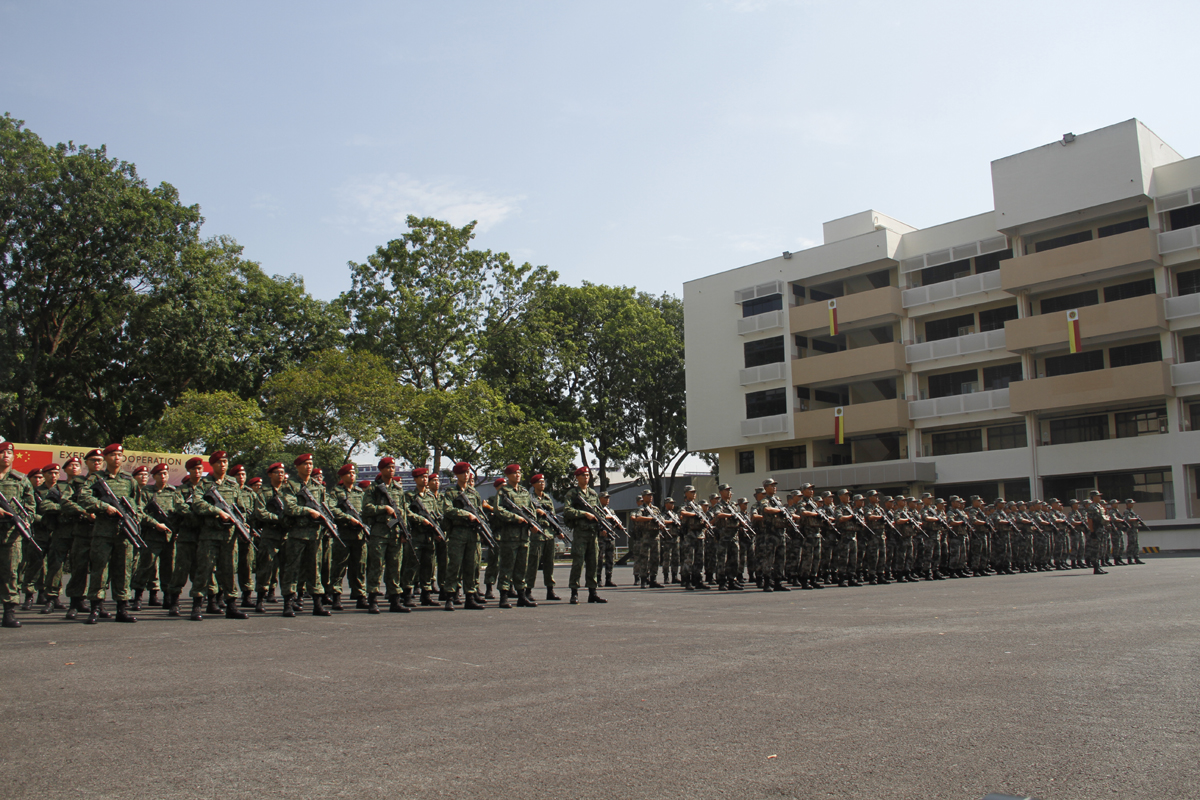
[235, 516]
[130, 528]
[19, 522]
[323, 513]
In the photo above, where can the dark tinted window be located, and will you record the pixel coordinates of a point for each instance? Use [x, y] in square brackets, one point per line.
[1124, 227]
[1191, 348]
[745, 459]
[991, 262]
[1141, 423]
[952, 383]
[1141, 487]
[994, 318]
[1006, 437]
[1075, 362]
[1135, 354]
[764, 351]
[1001, 375]
[1062, 241]
[1131, 289]
[1068, 301]
[770, 403]
[762, 305]
[787, 458]
[1079, 429]
[947, 444]
[1189, 282]
[1185, 217]
[945, 272]
[947, 328]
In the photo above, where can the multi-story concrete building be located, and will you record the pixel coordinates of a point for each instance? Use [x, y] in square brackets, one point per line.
[950, 365]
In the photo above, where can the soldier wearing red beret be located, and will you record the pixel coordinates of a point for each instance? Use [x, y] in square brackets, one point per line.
[384, 509]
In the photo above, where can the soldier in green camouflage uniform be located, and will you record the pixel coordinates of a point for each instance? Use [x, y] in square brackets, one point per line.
[512, 532]
[79, 561]
[19, 493]
[492, 567]
[607, 558]
[809, 519]
[541, 544]
[302, 499]
[871, 540]
[849, 525]
[441, 547]
[217, 550]
[692, 541]
[769, 544]
[156, 563]
[417, 569]
[1097, 537]
[1002, 538]
[48, 496]
[728, 535]
[384, 502]
[1133, 548]
[187, 542]
[463, 505]
[584, 551]
[245, 548]
[349, 558]
[270, 513]
[59, 553]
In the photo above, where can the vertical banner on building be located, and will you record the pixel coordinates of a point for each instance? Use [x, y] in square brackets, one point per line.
[833, 326]
[1073, 330]
[839, 428]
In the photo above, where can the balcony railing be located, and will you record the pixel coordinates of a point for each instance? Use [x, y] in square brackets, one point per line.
[948, 290]
[955, 346]
[1185, 374]
[1182, 239]
[761, 322]
[765, 425]
[993, 400]
[1187, 305]
[761, 374]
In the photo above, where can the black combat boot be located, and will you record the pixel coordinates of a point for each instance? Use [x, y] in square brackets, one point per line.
[41, 596]
[297, 603]
[196, 616]
[653, 584]
[171, 601]
[10, 616]
[883, 581]
[245, 600]
[815, 583]
[137, 601]
[123, 614]
[319, 610]
[489, 595]
[336, 605]
[49, 605]
[406, 597]
[550, 595]
[700, 584]
[1097, 571]
[504, 600]
[1137, 560]
[289, 609]
[361, 603]
[765, 585]
[271, 598]
[212, 605]
[472, 603]
[524, 600]
[153, 601]
[608, 581]
[28, 604]
[58, 604]
[779, 587]
[220, 602]
[373, 603]
[853, 581]
[396, 604]
[449, 606]
[232, 611]
[260, 604]
[93, 614]
[426, 600]
[595, 598]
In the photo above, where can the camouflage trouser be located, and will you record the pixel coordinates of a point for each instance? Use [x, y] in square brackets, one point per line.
[828, 548]
[902, 555]
[110, 561]
[1001, 549]
[246, 569]
[217, 557]
[10, 570]
[979, 548]
[514, 555]
[416, 565]
[769, 547]
[1041, 548]
[691, 556]
[57, 558]
[33, 563]
[441, 554]
[669, 555]
[870, 553]
[1094, 547]
[462, 559]
[1116, 541]
[301, 567]
[606, 558]
[384, 554]
[1132, 550]
[1058, 546]
[155, 564]
[652, 549]
[727, 557]
[956, 552]
[710, 557]
[541, 556]
[792, 548]
[932, 547]
[349, 561]
[266, 561]
[746, 558]
[80, 560]
[584, 554]
[810, 554]
[845, 557]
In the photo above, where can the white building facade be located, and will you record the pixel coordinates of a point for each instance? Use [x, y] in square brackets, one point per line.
[1044, 348]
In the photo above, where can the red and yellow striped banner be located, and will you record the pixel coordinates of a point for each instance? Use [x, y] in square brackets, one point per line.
[839, 428]
[1073, 340]
[833, 326]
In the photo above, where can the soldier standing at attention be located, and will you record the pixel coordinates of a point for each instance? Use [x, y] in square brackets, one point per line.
[48, 497]
[849, 525]
[349, 557]
[302, 498]
[217, 550]
[492, 568]
[441, 551]
[512, 532]
[271, 515]
[608, 545]
[245, 549]
[769, 543]
[1133, 549]
[541, 544]
[69, 517]
[383, 503]
[641, 526]
[81, 542]
[668, 552]
[810, 550]
[691, 545]
[728, 531]
[19, 493]
[156, 562]
[187, 541]
[1097, 522]
[584, 551]
[462, 539]
[418, 568]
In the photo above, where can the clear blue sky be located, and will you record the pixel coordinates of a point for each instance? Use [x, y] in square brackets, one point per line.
[631, 143]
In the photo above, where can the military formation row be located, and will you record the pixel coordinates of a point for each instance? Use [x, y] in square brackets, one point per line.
[234, 541]
[808, 540]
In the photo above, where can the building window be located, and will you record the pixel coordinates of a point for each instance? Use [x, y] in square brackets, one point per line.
[828, 344]
[1001, 375]
[1188, 282]
[826, 291]
[1006, 437]
[782, 458]
[1194, 417]
[938, 329]
[880, 279]
[1134, 354]
[1185, 217]
[836, 396]
[954, 442]
[764, 351]
[752, 308]
[1062, 241]
[745, 462]
[1123, 291]
[1191, 347]
[991, 261]
[1074, 362]
[1141, 423]
[953, 383]
[1017, 490]
[1143, 487]
[1079, 429]
[946, 272]
[994, 318]
[1124, 227]
[880, 447]
[1068, 301]
[770, 403]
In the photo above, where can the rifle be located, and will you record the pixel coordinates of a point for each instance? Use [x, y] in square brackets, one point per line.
[600, 518]
[662, 526]
[426, 517]
[239, 522]
[887, 523]
[520, 512]
[1141, 524]
[21, 524]
[614, 519]
[323, 513]
[743, 523]
[357, 517]
[556, 523]
[485, 530]
[698, 513]
[54, 495]
[129, 524]
[159, 515]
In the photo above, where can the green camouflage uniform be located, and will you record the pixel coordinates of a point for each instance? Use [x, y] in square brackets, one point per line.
[156, 563]
[541, 545]
[111, 557]
[46, 520]
[217, 550]
[349, 559]
[17, 489]
[187, 545]
[585, 551]
[271, 515]
[512, 534]
[462, 538]
[383, 557]
[79, 559]
[302, 564]
[420, 555]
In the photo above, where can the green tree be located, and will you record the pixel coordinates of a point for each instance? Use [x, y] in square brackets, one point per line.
[206, 422]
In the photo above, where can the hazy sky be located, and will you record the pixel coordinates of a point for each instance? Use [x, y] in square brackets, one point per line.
[641, 143]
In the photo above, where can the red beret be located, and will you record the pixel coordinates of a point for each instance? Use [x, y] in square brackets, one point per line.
[237, 469]
[387, 461]
[141, 469]
[345, 469]
[307, 457]
[420, 472]
[7, 446]
[194, 462]
[217, 456]
[113, 448]
[255, 481]
[51, 467]
[583, 471]
[317, 471]
[498, 482]
[537, 476]
[462, 468]
[275, 466]
[159, 468]
[512, 469]
[71, 460]
[94, 453]
[364, 484]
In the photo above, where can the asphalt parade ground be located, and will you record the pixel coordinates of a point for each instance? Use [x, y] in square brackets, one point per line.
[1056, 685]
